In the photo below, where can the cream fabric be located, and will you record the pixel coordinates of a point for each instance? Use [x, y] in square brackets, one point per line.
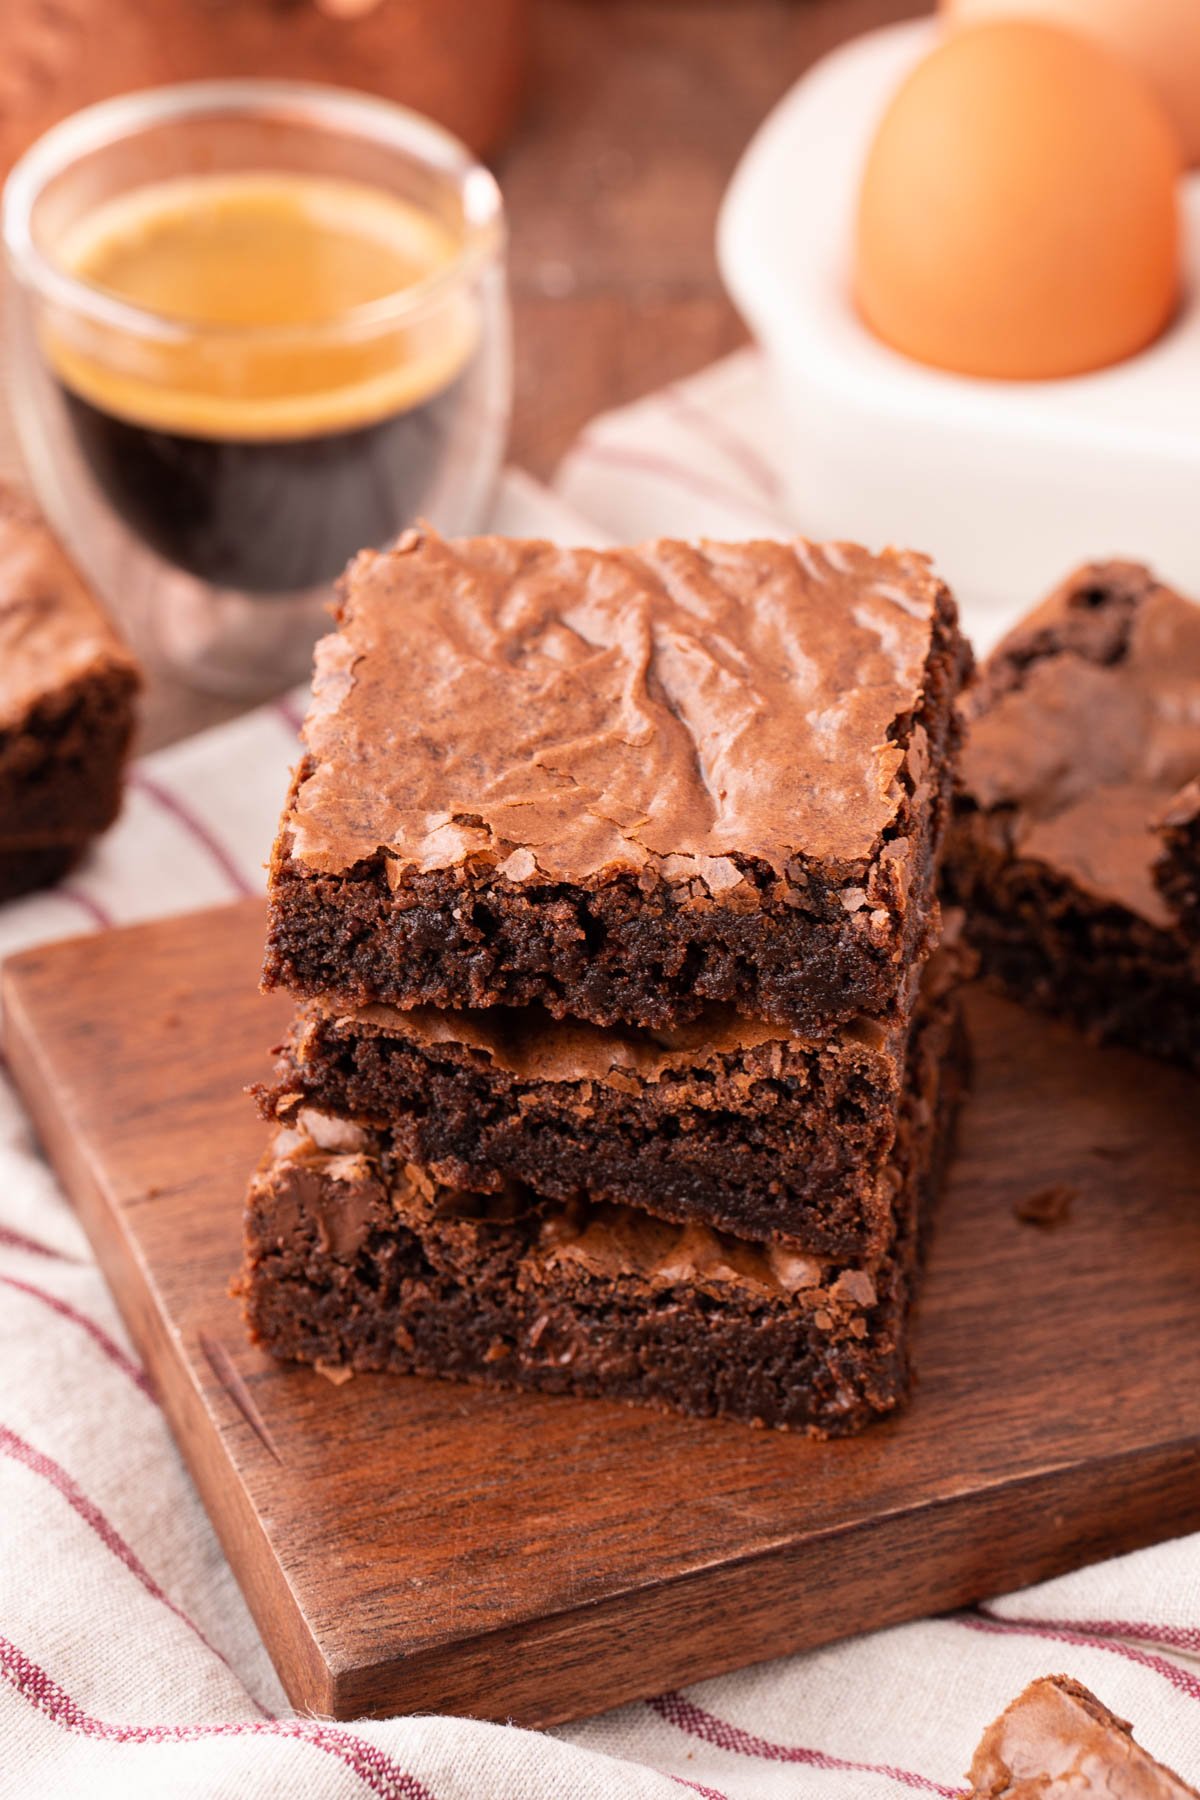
[131, 1666]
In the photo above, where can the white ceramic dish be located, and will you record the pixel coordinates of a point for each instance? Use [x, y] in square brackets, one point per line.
[1009, 484]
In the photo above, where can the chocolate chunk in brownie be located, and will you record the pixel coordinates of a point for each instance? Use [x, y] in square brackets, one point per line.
[357, 1259]
[1177, 870]
[1084, 723]
[67, 690]
[1058, 1742]
[621, 784]
[741, 1126]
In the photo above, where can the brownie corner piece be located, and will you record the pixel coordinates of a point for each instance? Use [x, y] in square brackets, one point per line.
[745, 1127]
[68, 686]
[1081, 728]
[621, 783]
[1055, 1738]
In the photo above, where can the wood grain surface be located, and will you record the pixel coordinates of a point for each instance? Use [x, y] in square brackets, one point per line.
[409, 1544]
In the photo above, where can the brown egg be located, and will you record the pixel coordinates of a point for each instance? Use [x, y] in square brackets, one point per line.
[1161, 38]
[1018, 214]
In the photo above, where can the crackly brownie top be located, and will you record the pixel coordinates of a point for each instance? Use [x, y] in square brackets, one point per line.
[1085, 722]
[559, 713]
[1057, 1740]
[51, 629]
[337, 1176]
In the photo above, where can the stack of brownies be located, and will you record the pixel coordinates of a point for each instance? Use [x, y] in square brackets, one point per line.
[626, 1062]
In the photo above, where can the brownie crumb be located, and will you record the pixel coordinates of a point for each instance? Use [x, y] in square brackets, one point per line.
[1048, 1207]
[335, 1373]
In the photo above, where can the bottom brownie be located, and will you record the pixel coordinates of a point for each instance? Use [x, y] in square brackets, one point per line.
[358, 1260]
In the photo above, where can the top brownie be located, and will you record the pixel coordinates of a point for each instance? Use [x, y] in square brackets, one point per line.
[621, 783]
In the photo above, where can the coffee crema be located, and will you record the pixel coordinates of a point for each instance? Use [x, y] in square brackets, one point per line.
[279, 411]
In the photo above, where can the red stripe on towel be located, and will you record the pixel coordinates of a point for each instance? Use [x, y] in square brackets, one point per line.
[98, 1335]
[683, 1713]
[195, 828]
[39, 1463]
[373, 1767]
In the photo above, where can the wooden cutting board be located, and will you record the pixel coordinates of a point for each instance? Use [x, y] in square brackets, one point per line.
[409, 1544]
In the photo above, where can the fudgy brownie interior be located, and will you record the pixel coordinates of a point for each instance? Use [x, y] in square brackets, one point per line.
[622, 784]
[735, 1125]
[61, 767]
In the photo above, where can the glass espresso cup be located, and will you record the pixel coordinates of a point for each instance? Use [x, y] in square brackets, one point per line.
[256, 327]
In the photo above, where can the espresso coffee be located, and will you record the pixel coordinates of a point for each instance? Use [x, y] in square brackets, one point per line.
[284, 411]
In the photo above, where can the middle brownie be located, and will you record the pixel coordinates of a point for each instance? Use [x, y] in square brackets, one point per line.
[737, 1125]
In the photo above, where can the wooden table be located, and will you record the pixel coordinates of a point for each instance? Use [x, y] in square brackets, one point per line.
[638, 112]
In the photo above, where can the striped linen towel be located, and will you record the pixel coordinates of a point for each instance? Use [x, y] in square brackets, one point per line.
[131, 1666]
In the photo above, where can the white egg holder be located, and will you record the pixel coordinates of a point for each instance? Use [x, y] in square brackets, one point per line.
[1008, 484]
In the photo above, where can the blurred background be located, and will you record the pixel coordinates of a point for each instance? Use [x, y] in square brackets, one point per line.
[984, 351]
[614, 126]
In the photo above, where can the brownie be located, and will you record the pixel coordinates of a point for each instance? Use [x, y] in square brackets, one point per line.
[621, 784]
[67, 690]
[744, 1127]
[1056, 1740]
[357, 1259]
[1177, 870]
[24, 867]
[1084, 723]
